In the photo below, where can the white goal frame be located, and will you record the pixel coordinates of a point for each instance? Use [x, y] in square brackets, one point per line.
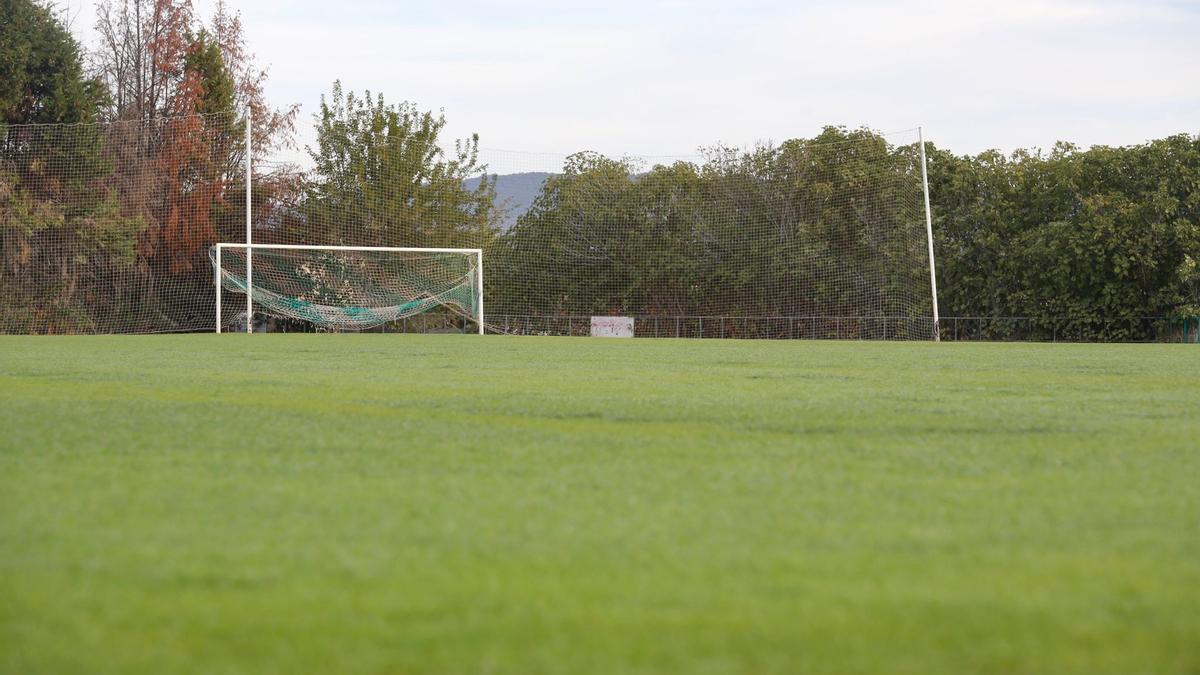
[217, 270]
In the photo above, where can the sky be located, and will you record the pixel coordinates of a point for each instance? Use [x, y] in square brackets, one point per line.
[665, 77]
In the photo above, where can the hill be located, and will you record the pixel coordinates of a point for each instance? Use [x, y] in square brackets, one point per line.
[515, 193]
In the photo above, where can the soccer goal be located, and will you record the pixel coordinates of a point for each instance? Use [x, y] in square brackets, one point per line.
[348, 287]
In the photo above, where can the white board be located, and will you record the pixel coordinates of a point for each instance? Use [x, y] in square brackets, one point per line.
[612, 326]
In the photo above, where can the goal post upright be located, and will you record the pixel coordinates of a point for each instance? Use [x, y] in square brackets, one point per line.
[937, 334]
[249, 235]
[479, 287]
[217, 280]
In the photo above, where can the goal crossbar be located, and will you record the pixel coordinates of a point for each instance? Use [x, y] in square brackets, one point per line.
[397, 249]
[477, 253]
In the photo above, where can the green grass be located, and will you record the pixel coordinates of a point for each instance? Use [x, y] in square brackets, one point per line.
[454, 504]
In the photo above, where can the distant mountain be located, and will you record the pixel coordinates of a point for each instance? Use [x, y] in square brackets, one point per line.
[515, 193]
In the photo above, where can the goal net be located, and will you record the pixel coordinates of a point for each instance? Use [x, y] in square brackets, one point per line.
[347, 287]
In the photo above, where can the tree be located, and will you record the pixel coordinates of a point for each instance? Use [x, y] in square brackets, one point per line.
[579, 229]
[143, 44]
[820, 227]
[181, 89]
[382, 179]
[62, 236]
[41, 71]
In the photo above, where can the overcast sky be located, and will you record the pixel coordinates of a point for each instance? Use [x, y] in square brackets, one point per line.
[665, 77]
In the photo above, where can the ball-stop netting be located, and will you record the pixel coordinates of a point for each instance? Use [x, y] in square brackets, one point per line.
[110, 228]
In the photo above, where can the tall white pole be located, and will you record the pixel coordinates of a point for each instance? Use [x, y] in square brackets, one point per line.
[249, 236]
[479, 287]
[217, 281]
[937, 335]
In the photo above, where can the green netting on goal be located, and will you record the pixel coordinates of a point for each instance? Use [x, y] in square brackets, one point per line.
[350, 289]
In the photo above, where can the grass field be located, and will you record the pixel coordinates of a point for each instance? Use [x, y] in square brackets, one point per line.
[455, 504]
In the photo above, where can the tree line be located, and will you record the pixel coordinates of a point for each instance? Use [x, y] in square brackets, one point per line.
[105, 227]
